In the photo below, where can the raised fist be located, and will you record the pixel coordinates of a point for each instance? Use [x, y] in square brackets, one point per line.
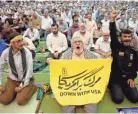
[114, 14]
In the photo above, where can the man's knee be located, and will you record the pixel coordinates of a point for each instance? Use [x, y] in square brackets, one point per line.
[134, 98]
[118, 99]
[131, 94]
[23, 99]
[5, 100]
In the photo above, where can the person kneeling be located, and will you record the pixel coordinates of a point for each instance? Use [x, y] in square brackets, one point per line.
[20, 84]
[76, 52]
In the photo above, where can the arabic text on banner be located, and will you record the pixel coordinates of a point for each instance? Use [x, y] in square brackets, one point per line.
[79, 82]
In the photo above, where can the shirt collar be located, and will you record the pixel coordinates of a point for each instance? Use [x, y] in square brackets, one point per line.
[16, 53]
[107, 41]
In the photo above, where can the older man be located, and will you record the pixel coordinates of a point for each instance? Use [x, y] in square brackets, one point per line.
[86, 36]
[78, 51]
[102, 46]
[19, 84]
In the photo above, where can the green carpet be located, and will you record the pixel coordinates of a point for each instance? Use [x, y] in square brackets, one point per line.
[50, 105]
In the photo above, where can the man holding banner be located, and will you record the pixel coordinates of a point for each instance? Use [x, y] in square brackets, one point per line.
[78, 79]
[76, 52]
[124, 65]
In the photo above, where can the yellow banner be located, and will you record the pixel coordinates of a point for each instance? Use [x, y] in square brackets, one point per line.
[79, 82]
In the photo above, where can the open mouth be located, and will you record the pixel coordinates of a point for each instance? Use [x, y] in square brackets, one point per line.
[78, 47]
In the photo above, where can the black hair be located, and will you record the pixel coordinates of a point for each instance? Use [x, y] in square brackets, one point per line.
[74, 16]
[125, 31]
[99, 22]
[54, 24]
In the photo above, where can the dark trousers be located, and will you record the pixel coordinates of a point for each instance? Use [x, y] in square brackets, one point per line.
[118, 91]
[36, 43]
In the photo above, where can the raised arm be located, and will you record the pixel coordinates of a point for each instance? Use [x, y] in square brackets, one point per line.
[38, 15]
[113, 35]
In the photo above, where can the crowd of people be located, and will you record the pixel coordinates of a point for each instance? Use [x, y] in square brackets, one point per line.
[70, 30]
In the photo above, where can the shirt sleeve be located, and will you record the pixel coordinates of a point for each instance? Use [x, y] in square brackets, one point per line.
[36, 35]
[97, 44]
[29, 73]
[64, 44]
[117, 26]
[91, 44]
[38, 15]
[69, 33]
[2, 64]
[49, 44]
[25, 33]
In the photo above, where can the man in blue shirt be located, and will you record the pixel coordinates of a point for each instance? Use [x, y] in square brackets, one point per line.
[2, 43]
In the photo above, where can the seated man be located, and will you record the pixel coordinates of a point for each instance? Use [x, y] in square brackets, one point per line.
[86, 36]
[33, 34]
[29, 45]
[97, 33]
[56, 42]
[102, 46]
[77, 51]
[20, 84]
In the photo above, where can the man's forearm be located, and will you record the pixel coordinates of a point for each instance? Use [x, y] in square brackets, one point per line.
[100, 52]
[112, 19]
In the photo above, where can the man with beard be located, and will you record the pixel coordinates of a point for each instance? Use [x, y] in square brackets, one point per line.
[77, 52]
[20, 84]
[56, 42]
[124, 65]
